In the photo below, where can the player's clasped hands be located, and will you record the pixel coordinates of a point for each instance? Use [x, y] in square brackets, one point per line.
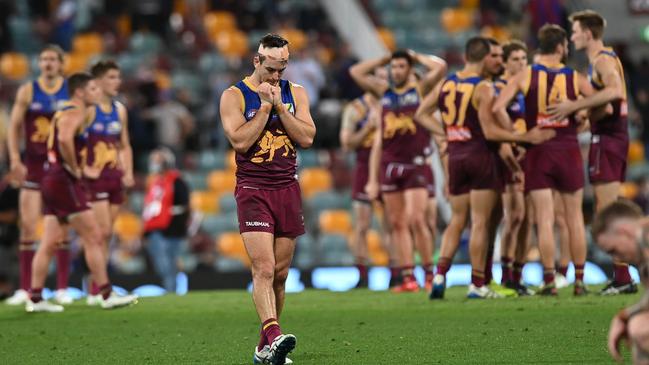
[269, 93]
[372, 189]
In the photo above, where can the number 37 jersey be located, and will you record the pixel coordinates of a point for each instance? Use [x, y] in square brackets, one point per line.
[460, 115]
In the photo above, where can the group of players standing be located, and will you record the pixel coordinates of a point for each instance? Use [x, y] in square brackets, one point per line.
[508, 142]
[77, 161]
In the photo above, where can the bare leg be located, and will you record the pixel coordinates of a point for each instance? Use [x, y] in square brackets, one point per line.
[575, 220]
[259, 246]
[544, 215]
[52, 234]
[358, 243]
[453, 232]
[564, 233]
[416, 211]
[284, 249]
[483, 202]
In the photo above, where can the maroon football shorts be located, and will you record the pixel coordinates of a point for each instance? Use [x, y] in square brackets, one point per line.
[62, 194]
[35, 172]
[359, 180]
[399, 177]
[607, 159]
[476, 171]
[560, 169]
[110, 189]
[274, 211]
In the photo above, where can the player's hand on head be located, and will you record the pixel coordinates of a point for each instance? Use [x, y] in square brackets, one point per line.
[538, 135]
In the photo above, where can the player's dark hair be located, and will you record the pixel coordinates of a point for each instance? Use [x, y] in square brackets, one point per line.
[53, 48]
[78, 81]
[402, 54]
[476, 49]
[590, 20]
[622, 208]
[550, 36]
[492, 41]
[513, 46]
[100, 68]
[271, 40]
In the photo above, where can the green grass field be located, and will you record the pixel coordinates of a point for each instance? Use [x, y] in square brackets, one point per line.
[359, 327]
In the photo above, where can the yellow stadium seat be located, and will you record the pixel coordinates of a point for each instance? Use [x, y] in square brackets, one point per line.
[221, 181]
[128, 226]
[387, 37]
[205, 202]
[216, 22]
[315, 180]
[469, 4]
[498, 33]
[628, 190]
[14, 66]
[162, 80]
[335, 221]
[232, 43]
[636, 152]
[230, 244]
[75, 62]
[230, 160]
[123, 25]
[88, 43]
[295, 37]
[377, 253]
[456, 20]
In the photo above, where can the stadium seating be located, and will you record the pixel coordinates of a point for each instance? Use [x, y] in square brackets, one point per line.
[227, 204]
[216, 22]
[629, 190]
[334, 250]
[315, 180]
[206, 202]
[335, 221]
[636, 152]
[128, 227]
[306, 253]
[88, 43]
[230, 244]
[214, 224]
[195, 180]
[14, 66]
[75, 62]
[377, 253]
[221, 182]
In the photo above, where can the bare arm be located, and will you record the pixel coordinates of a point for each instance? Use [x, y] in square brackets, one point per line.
[240, 133]
[372, 187]
[436, 70]
[424, 115]
[361, 73]
[507, 94]
[299, 127]
[68, 125]
[23, 97]
[350, 139]
[125, 150]
[613, 90]
[493, 131]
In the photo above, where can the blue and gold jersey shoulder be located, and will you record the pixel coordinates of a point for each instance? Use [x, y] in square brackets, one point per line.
[459, 78]
[251, 102]
[48, 101]
[559, 69]
[399, 98]
[106, 122]
[593, 77]
[517, 105]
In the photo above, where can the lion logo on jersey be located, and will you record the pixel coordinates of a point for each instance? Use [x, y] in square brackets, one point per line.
[105, 156]
[271, 143]
[42, 132]
[402, 124]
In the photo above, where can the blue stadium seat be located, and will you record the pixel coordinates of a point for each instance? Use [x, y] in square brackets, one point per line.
[333, 243]
[306, 254]
[211, 160]
[196, 180]
[307, 158]
[145, 43]
[136, 201]
[228, 204]
[226, 264]
[212, 62]
[217, 224]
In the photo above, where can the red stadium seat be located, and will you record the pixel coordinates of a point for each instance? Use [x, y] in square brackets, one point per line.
[14, 66]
